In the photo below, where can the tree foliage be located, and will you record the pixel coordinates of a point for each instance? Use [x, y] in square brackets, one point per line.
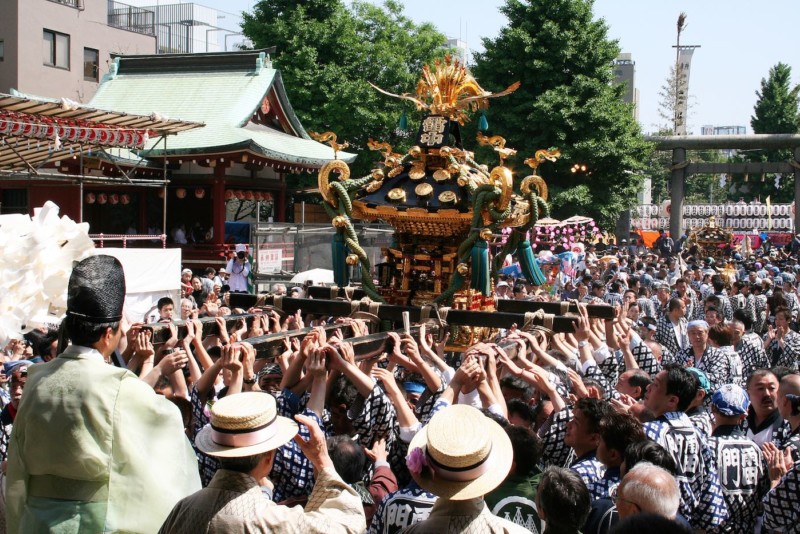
[327, 53]
[564, 61]
[775, 112]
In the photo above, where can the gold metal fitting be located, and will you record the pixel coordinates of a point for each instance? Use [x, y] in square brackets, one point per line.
[397, 195]
[423, 190]
[417, 172]
[339, 221]
[377, 174]
[415, 151]
[351, 259]
[447, 197]
[395, 171]
[441, 175]
[463, 269]
[486, 234]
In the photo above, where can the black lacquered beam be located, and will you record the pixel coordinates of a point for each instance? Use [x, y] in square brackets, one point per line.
[505, 320]
[319, 293]
[600, 311]
[161, 330]
[272, 345]
[390, 312]
[322, 292]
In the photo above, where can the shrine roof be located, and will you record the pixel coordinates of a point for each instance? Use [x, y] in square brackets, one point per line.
[227, 92]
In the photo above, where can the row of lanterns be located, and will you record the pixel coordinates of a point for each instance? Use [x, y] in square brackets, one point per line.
[103, 198]
[258, 196]
[199, 193]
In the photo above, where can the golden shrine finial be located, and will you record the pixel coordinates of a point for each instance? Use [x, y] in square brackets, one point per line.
[330, 138]
[449, 90]
[499, 145]
[540, 156]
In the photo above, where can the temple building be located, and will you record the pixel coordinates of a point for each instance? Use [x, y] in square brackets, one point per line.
[251, 141]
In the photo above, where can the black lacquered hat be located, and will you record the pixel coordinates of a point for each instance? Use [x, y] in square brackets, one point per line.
[96, 291]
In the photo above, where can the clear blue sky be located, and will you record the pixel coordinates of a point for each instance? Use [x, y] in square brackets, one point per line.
[740, 40]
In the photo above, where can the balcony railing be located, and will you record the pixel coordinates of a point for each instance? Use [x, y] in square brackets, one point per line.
[131, 18]
[77, 4]
[144, 241]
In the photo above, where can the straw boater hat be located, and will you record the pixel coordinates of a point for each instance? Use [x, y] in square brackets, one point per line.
[463, 453]
[245, 424]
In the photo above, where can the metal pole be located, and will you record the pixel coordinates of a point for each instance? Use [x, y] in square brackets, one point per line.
[796, 165]
[80, 190]
[681, 24]
[164, 215]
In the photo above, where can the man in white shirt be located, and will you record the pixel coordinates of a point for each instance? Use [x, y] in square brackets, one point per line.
[238, 270]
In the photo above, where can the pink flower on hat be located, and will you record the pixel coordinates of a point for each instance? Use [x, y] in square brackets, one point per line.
[416, 461]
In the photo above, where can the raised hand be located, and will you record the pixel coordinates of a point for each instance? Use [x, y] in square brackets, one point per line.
[378, 451]
[173, 362]
[142, 346]
[315, 448]
[231, 354]
[386, 377]
[316, 364]
[173, 336]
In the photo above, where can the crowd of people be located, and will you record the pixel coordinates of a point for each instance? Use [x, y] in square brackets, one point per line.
[681, 413]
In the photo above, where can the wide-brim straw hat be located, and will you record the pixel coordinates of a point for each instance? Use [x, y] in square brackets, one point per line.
[245, 424]
[468, 454]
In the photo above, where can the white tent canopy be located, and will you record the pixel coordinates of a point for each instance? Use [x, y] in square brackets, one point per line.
[150, 273]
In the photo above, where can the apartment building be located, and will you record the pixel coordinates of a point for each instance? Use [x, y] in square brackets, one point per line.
[63, 48]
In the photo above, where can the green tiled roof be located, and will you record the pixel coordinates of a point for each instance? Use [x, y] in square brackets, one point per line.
[221, 90]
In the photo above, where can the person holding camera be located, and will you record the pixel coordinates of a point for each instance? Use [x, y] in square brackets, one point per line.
[238, 270]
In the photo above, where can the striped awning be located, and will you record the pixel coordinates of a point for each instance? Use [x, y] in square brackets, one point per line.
[35, 130]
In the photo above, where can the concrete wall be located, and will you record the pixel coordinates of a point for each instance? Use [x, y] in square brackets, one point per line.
[87, 27]
[8, 34]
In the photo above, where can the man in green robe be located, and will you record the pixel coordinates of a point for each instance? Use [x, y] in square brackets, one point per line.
[94, 449]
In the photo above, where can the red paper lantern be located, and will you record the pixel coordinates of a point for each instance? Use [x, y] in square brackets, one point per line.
[229, 195]
[124, 200]
[102, 198]
[248, 195]
[199, 192]
[239, 194]
[113, 199]
[258, 195]
[180, 192]
[267, 196]
[90, 198]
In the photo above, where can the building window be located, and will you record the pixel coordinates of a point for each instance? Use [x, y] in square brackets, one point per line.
[55, 48]
[91, 60]
[13, 201]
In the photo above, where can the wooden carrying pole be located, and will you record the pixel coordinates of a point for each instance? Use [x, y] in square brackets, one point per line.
[271, 345]
[600, 311]
[505, 317]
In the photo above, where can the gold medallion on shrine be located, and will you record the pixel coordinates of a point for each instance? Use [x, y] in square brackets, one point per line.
[417, 172]
[447, 197]
[423, 190]
[397, 195]
[441, 175]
